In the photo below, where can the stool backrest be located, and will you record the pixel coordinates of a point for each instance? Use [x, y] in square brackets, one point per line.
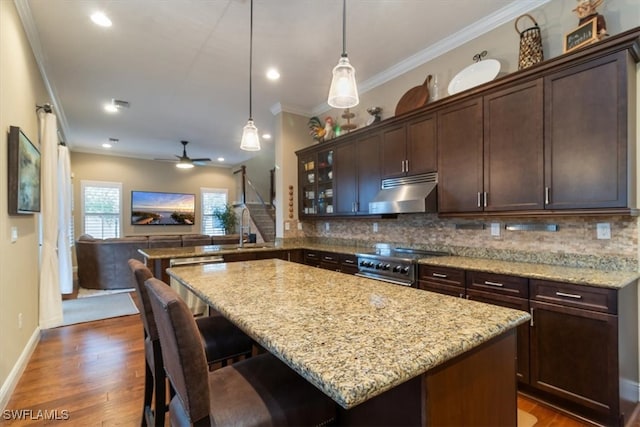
[141, 274]
[184, 358]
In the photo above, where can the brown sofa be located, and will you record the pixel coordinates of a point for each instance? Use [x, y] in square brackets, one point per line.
[103, 263]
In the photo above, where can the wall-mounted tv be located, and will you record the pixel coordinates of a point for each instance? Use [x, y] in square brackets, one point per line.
[156, 208]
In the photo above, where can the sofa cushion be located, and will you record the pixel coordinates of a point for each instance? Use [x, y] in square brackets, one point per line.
[196, 239]
[165, 241]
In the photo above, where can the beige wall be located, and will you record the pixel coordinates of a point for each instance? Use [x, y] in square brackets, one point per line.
[146, 175]
[258, 168]
[21, 88]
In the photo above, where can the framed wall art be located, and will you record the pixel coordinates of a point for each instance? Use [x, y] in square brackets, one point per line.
[24, 173]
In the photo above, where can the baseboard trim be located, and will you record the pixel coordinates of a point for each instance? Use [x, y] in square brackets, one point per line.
[14, 376]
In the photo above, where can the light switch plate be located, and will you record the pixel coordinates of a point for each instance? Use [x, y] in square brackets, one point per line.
[495, 229]
[299, 226]
[603, 230]
[287, 226]
[14, 234]
[375, 227]
[326, 226]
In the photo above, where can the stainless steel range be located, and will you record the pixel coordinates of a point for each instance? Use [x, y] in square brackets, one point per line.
[393, 265]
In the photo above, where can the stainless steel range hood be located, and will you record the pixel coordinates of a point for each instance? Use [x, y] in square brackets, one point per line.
[410, 194]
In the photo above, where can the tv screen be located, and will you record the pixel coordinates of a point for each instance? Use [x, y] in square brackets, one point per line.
[155, 208]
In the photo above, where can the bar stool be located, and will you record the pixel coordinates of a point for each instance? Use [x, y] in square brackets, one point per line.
[259, 391]
[220, 339]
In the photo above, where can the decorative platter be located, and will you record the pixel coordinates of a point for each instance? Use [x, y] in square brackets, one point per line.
[474, 75]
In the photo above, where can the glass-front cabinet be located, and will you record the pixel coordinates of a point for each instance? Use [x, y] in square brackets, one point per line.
[316, 183]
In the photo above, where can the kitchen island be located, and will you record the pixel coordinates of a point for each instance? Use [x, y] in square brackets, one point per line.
[386, 354]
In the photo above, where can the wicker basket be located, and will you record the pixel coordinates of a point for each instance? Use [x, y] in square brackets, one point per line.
[530, 44]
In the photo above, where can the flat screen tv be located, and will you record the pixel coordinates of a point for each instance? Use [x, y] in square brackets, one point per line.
[156, 208]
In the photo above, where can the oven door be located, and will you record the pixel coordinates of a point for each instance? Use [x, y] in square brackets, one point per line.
[395, 281]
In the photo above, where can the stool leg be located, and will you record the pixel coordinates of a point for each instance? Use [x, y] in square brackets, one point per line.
[160, 382]
[148, 393]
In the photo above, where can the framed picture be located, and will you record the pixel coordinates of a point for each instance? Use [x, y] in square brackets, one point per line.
[583, 35]
[24, 173]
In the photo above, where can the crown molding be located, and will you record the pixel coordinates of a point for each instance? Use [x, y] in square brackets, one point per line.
[278, 108]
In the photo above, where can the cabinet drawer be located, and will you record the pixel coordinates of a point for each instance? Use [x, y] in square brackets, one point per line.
[348, 264]
[441, 275]
[455, 291]
[329, 257]
[578, 296]
[312, 258]
[498, 284]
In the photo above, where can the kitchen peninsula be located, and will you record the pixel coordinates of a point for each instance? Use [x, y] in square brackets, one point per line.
[378, 350]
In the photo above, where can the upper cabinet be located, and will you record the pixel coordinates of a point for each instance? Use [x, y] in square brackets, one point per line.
[491, 152]
[586, 134]
[410, 148]
[556, 138]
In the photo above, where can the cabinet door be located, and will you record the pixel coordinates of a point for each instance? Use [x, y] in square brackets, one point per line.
[513, 148]
[307, 185]
[422, 155]
[460, 157]
[586, 135]
[394, 152]
[368, 162]
[573, 356]
[346, 182]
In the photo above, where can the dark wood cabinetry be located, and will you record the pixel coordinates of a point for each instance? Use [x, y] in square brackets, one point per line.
[357, 174]
[448, 281]
[584, 348]
[586, 119]
[410, 148]
[340, 262]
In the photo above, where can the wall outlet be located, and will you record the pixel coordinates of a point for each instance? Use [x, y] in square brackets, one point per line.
[287, 226]
[375, 227]
[14, 234]
[19, 320]
[299, 226]
[603, 230]
[495, 229]
[326, 226]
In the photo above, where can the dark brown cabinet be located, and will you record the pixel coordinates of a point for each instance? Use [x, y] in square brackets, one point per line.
[494, 162]
[586, 132]
[410, 148]
[448, 281]
[460, 136]
[357, 174]
[343, 263]
[315, 177]
[575, 349]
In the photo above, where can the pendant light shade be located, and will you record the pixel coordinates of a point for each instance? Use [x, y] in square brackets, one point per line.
[343, 92]
[250, 138]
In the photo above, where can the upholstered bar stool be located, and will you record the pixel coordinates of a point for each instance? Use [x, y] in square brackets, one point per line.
[259, 391]
[219, 338]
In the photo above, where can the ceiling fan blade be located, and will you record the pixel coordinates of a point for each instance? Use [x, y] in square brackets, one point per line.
[201, 160]
[167, 160]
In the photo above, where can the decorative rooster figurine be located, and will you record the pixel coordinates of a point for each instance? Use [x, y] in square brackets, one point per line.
[317, 129]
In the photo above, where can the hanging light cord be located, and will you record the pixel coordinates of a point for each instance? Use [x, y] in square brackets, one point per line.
[250, 58]
[344, 28]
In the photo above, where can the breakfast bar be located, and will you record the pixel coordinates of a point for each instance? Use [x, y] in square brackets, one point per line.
[386, 354]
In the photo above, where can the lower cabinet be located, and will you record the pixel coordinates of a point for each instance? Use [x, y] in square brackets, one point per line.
[343, 263]
[580, 350]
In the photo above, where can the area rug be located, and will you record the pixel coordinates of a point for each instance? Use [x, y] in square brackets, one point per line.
[525, 419]
[86, 293]
[97, 308]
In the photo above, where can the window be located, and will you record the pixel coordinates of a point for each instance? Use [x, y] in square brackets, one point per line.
[212, 199]
[101, 208]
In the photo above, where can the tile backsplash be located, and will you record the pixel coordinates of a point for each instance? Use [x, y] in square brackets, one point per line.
[574, 244]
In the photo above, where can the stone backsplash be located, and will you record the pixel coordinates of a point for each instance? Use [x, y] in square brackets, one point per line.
[574, 244]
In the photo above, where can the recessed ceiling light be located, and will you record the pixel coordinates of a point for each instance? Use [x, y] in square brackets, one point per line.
[110, 108]
[273, 74]
[221, 159]
[106, 145]
[266, 136]
[101, 19]
[116, 105]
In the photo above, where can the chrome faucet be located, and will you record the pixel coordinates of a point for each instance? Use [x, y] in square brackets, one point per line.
[242, 226]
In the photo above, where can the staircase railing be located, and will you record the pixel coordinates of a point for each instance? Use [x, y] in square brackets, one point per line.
[245, 186]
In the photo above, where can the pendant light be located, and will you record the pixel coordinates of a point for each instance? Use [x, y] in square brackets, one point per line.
[343, 92]
[250, 139]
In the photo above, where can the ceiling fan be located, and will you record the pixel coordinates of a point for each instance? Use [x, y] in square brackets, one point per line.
[184, 161]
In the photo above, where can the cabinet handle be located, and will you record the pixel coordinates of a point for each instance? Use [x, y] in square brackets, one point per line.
[349, 261]
[440, 275]
[402, 163]
[479, 199]
[406, 169]
[461, 295]
[546, 195]
[563, 294]
[487, 282]
[531, 311]
[311, 255]
[484, 197]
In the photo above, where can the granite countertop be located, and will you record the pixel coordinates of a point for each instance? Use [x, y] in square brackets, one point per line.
[353, 338]
[580, 276]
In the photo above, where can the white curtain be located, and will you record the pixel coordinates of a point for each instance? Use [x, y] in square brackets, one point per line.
[50, 298]
[64, 220]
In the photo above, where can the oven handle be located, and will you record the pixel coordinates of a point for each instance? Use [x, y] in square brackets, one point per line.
[395, 282]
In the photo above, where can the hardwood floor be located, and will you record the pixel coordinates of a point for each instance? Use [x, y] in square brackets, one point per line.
[93, 374]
